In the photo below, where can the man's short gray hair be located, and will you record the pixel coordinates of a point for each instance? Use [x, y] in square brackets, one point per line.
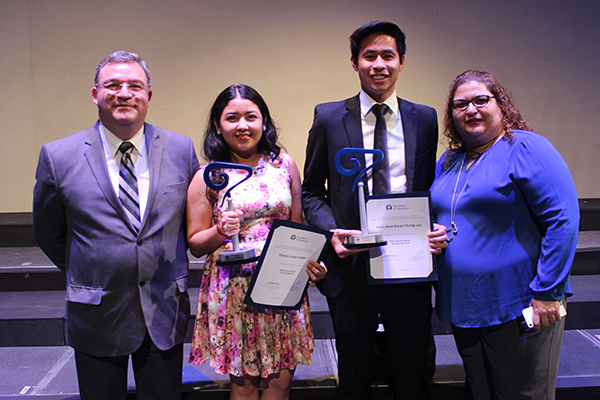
[123, 57]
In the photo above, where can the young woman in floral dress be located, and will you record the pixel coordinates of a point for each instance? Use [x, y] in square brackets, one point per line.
[256, 347]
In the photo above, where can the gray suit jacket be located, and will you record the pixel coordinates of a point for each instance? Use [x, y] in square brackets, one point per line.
[327, 197]
[119, 283]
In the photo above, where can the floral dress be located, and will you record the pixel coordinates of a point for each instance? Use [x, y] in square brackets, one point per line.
[239, 339]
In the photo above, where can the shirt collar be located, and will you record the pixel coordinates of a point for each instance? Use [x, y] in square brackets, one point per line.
[366, 102]
[114, 142]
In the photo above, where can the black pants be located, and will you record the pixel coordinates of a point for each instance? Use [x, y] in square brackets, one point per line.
[510, 361]
[157, 374]
[405, 311]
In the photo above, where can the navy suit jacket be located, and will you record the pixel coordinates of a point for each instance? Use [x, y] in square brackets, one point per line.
[327, 197]
[119, 283]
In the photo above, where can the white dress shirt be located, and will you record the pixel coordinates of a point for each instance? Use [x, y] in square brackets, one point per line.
[395, 140]
[139, 157]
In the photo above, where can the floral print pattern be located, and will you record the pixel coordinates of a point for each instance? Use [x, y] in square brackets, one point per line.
[239, 339]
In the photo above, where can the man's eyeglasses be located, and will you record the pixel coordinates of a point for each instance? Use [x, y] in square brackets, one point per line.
[478, 101]
[116, 87]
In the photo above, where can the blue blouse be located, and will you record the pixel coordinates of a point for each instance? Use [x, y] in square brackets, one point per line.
[517, 215]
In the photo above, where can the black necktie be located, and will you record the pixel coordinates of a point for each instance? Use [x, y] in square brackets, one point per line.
[381, 172]
[128, 187]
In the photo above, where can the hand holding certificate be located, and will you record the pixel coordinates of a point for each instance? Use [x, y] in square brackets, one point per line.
[280, 280]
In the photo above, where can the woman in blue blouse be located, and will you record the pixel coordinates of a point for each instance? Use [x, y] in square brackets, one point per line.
[511, 205]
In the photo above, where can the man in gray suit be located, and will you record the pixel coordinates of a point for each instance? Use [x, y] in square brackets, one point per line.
[109, 210]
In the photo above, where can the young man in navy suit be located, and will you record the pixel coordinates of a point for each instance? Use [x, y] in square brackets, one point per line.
[357, 308]
[127, 268]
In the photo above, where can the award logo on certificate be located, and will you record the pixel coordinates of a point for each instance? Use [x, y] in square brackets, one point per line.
[280, 280]
[404, 219]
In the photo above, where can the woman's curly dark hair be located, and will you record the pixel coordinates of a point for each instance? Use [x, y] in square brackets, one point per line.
[511, 116]
[215, 148]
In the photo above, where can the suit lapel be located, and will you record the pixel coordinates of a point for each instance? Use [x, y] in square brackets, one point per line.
[409, 128]
[155, 146]
[94, 154]
[352, 121]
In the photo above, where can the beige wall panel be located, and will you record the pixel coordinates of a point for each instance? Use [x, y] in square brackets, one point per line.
[295, 53]
[18, 152]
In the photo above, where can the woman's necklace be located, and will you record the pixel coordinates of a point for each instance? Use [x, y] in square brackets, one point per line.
[453, 229]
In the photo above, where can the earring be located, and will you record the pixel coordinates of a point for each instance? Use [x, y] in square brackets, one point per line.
[264, 128]
[218, 132]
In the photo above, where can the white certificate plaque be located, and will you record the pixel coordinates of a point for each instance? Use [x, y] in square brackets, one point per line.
[280, 280]
[404, 220]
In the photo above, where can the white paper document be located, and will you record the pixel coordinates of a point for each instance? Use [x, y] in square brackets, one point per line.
[280, 279]
[404, 221]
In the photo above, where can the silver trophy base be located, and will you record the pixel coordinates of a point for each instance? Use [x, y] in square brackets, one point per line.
[362, 241]
[237, 257]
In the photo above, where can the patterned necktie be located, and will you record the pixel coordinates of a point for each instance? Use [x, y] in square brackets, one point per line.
[381, 172]
[128, 187]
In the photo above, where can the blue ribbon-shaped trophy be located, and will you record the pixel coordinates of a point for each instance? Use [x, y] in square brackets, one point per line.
[237, 255]
[366, 239]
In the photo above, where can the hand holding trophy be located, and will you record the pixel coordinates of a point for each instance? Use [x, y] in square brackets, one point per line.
[237, 255]
[366, 239]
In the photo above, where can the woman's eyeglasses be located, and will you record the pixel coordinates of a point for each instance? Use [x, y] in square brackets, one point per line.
[478, 101]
